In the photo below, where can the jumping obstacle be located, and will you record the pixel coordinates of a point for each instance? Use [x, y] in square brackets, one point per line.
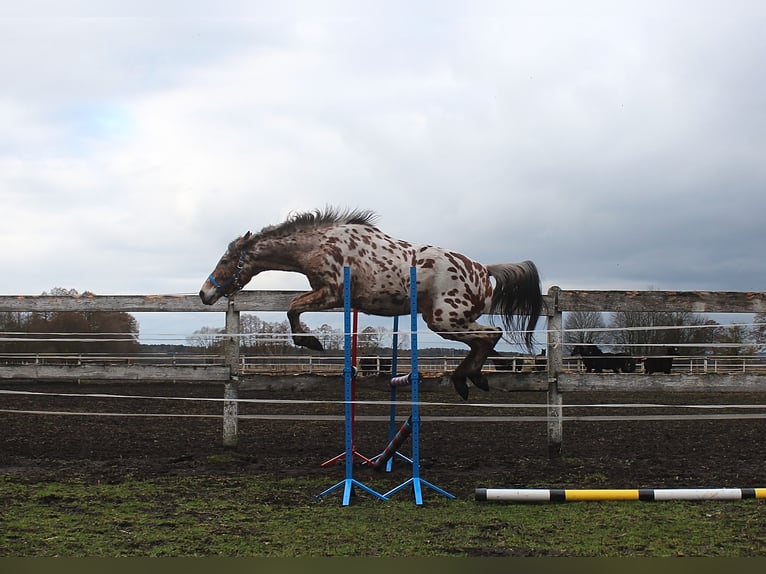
[401, 380]
[349, 482]
[642, 494]
[416, 481]
[393, 446]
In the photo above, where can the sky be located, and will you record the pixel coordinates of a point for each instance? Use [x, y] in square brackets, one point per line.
[619, 145]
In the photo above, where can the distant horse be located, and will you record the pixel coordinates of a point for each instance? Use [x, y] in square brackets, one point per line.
[375, 365]
[660, 364]
[453, 291]
[506, 363]
[596, 360]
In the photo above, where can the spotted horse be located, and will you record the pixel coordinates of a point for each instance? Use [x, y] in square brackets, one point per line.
[452, 290]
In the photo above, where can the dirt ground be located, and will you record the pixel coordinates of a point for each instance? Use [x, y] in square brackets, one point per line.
[458, 456]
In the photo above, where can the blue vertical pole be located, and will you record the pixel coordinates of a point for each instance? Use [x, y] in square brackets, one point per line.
[415, 381]
[348, 375]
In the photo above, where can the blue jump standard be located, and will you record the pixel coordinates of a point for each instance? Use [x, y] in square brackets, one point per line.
[416, 481]
[349, 482]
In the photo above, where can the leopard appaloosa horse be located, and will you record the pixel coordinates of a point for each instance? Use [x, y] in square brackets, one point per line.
[453, 290]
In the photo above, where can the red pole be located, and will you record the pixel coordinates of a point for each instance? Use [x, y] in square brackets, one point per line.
[394, 445]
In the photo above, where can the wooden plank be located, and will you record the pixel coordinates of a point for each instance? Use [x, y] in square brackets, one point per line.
[110, 303]
[690, 301]
[213, 373]
[270, 300]
[244, 301]
[683, 383]
[512, 382]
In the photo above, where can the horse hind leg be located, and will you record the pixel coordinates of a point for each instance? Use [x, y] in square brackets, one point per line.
[459, 377]
[481, 341]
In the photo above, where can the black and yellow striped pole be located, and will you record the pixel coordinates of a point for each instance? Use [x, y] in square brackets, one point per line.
[644, 494]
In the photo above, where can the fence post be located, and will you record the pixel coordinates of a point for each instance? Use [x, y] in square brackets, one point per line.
[231, 387]
[555, 353]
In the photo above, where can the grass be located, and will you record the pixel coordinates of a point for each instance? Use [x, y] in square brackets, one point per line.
[262, 517]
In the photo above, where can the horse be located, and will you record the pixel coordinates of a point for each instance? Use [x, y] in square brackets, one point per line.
[452, 290]
[596, 360]
[660, 364]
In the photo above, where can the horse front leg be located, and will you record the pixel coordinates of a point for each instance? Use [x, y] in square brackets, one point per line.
[317, 300]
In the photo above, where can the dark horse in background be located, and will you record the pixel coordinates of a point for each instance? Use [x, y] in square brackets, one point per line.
[596, 360]
[661, 363]
[452, 290]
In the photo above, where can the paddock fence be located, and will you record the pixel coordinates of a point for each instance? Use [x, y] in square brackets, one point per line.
[556, 376]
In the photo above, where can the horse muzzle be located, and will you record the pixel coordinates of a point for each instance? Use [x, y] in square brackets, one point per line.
[209, 294]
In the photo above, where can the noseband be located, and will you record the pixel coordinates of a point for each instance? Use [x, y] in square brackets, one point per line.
[234, 279]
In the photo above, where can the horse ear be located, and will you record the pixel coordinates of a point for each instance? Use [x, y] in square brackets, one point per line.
[247, 235]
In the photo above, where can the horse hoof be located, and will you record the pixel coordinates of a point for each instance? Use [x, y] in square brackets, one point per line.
[481, 381]
[308, 341]
[461, 387]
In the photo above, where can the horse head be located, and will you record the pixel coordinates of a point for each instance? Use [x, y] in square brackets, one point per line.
[231, 273]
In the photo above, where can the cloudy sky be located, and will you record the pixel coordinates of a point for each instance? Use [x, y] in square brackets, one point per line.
[619, 145]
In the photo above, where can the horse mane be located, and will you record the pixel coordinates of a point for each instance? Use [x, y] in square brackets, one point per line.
[328, 217]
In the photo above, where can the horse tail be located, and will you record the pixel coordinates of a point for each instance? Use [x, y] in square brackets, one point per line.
[517, 298]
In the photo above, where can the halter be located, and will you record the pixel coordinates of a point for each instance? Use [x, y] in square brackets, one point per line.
[234, 279]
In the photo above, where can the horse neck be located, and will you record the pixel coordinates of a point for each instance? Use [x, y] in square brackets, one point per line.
[285, 253]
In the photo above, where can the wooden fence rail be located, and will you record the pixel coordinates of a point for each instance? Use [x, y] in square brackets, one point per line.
[555, 381]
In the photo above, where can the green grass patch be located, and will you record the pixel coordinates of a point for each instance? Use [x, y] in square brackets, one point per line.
[258, 516]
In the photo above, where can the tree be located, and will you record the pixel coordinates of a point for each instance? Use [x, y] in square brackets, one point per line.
[265, 338]
[759, 331]
[71, 331]
[253, 330]
[584, 327]
[209, 338]
[331, 339]
[369, 342]
[642, 333]
[13, 326]
[736, 335]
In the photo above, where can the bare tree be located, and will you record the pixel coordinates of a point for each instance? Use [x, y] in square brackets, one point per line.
[209, 338]
[253, 330]
[642, 333]
[584, 327]
[740, 338]
[368, 341]
[331, 339]
[758, 331]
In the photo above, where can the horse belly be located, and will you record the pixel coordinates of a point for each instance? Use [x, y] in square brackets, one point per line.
[374, 298]
[382, 308]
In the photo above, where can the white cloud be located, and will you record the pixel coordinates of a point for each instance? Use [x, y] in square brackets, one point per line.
[617, 145]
